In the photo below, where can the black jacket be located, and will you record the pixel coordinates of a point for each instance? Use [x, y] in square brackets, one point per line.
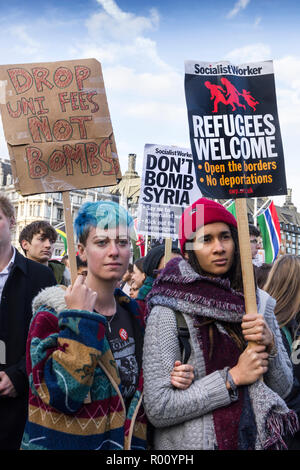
[24, 282]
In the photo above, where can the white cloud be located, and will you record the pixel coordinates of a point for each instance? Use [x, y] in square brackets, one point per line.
[289, 110]
[287, 70]
[164, 85]
[239, 5]
[251, 53]
[257, 21]
[116, 24]
[139, 84]
[116, 36]
[154, 110]
[145, 94]
[20, 35]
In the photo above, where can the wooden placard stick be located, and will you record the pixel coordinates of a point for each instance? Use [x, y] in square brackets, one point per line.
[168, 249]
[246, 257]
[70, 235]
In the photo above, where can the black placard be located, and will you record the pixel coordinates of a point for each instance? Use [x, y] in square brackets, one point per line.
[234, 129]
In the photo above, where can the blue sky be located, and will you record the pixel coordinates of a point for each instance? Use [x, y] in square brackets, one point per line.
[142, 46]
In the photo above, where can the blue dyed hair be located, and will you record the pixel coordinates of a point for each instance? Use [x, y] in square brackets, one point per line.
[102, 214]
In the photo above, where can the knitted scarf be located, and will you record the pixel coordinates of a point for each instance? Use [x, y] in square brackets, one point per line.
[146, 287]
[260, 418]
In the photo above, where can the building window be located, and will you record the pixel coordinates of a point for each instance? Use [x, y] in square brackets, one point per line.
[37, 210]
[60, 213]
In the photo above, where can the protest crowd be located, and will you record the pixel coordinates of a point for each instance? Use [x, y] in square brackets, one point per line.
[100, 364]
[189, 344]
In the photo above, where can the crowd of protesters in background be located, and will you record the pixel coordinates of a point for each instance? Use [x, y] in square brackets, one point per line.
[146, 353]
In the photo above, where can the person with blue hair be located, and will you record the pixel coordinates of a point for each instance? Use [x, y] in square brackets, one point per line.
[84, 350]
[104, 215]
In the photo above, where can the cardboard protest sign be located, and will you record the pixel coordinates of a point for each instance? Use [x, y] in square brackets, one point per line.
[57, 126]
[234, 129]
[168, 186]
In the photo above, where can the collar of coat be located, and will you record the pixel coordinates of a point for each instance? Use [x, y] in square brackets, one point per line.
[20, 262]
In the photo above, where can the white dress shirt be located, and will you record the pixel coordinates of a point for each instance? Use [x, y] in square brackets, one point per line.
[5, 273]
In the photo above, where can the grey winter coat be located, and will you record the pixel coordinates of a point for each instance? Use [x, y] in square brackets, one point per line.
[183, 419]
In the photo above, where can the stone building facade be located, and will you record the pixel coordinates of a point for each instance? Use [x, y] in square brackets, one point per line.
[49, 206]
[289, 219]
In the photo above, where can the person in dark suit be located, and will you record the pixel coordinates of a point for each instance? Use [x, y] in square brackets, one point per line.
[20, 281]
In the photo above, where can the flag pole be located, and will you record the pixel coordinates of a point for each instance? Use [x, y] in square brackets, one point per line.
[264, 204]
[246, 257]
[255, 212]
[168, 250]
[227, 203]
[70, 234]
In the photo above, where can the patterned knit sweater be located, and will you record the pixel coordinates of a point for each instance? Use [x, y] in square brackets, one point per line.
[75, 399]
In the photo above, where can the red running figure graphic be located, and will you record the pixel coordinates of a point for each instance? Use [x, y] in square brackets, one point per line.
[229, 96]
[216, 94]
[233, 94]
[249, 99]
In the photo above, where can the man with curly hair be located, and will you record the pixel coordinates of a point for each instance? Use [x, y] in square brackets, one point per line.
[37, 241]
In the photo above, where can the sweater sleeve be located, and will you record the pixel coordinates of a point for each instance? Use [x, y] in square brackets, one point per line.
[164, 404]
[279, 376]
[62, 354]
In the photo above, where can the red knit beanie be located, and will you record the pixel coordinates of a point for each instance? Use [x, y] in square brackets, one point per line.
[202, 212]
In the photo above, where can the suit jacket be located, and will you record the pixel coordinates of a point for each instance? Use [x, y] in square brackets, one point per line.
[24, 282]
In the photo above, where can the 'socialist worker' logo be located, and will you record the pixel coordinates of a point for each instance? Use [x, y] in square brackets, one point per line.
[230, 96]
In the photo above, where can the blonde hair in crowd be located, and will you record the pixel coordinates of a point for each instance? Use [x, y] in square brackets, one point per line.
[283, 284]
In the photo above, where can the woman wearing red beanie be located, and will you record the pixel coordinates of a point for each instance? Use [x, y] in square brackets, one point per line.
[219, 402]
